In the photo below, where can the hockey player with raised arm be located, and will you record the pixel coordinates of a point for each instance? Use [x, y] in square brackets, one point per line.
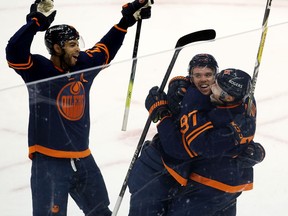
[59, 120]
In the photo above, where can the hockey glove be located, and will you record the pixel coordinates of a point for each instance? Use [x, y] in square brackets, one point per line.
[253, 154]
[243, 127]
[157, 105]
[134, 11]
[42, 12]
[133, 8]
[143, 13]
[176, 89]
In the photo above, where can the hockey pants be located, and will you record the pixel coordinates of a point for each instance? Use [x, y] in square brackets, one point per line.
[53, 179]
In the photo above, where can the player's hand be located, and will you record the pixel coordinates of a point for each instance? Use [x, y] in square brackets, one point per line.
[132, 7]
[133, 11]
[41, 11]
[143, 13]
[176, 90]
[253, 154]
[157, 105]
[243, 127]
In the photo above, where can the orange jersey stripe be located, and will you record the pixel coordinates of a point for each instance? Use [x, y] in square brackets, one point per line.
[22, 66]
[219, 185]
[175, 175]
[57, 153]
[190, 137]
[97, 48]
[188, 150]
[120, 29]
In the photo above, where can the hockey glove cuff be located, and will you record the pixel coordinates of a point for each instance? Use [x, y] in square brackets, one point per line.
[42, 13]
[243, 127]
[157, 105]
[253, 154]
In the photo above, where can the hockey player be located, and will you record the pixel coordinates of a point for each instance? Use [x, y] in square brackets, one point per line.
[59, 121]
[152, 187]
[215, 141]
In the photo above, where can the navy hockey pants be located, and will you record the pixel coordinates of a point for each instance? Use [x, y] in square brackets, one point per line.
[155, 192]
[53, 179]
[149, 184]
[198, 200]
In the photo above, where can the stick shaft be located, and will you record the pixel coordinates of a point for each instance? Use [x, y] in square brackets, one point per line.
[132, 76]
[207, 34]
[259, 55]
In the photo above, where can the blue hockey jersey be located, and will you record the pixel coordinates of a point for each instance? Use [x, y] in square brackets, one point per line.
[59, 101]
[203, 147]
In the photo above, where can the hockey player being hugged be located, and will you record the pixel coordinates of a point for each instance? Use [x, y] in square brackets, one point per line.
[59, 121]
[153, 186]
[217, 166]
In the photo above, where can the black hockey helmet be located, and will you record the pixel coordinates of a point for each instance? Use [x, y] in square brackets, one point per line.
[58, 34]
[203, 60]
[234, 82]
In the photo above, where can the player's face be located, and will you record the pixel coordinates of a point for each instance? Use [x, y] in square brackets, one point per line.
[219, 96]
[72, 50]
[203, 78]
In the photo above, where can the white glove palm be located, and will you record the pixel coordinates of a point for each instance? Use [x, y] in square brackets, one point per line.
[45, 7]
[137, 14]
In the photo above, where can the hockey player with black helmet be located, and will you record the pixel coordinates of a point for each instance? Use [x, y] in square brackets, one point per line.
[209, 146]
[59, 121]
[152, 184]
[233, 81]
[207, 68]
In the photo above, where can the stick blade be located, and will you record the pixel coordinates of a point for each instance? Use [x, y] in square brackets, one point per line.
[207, 34]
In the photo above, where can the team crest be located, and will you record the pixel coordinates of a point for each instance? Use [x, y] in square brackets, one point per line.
[71, 101]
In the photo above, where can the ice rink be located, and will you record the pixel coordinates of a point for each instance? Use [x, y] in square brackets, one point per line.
[238, 26]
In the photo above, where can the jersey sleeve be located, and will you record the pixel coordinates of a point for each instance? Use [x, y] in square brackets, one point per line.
[108, 46]
[171, 138]
[169, 129]
[211, 137]
[18, 48]
[198, 135]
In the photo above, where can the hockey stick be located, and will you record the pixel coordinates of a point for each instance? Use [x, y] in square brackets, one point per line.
[203, 35]
[133, 70]
[259, 55]
[132, 76]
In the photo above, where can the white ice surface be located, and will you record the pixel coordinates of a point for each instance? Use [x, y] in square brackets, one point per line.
[238, 25]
